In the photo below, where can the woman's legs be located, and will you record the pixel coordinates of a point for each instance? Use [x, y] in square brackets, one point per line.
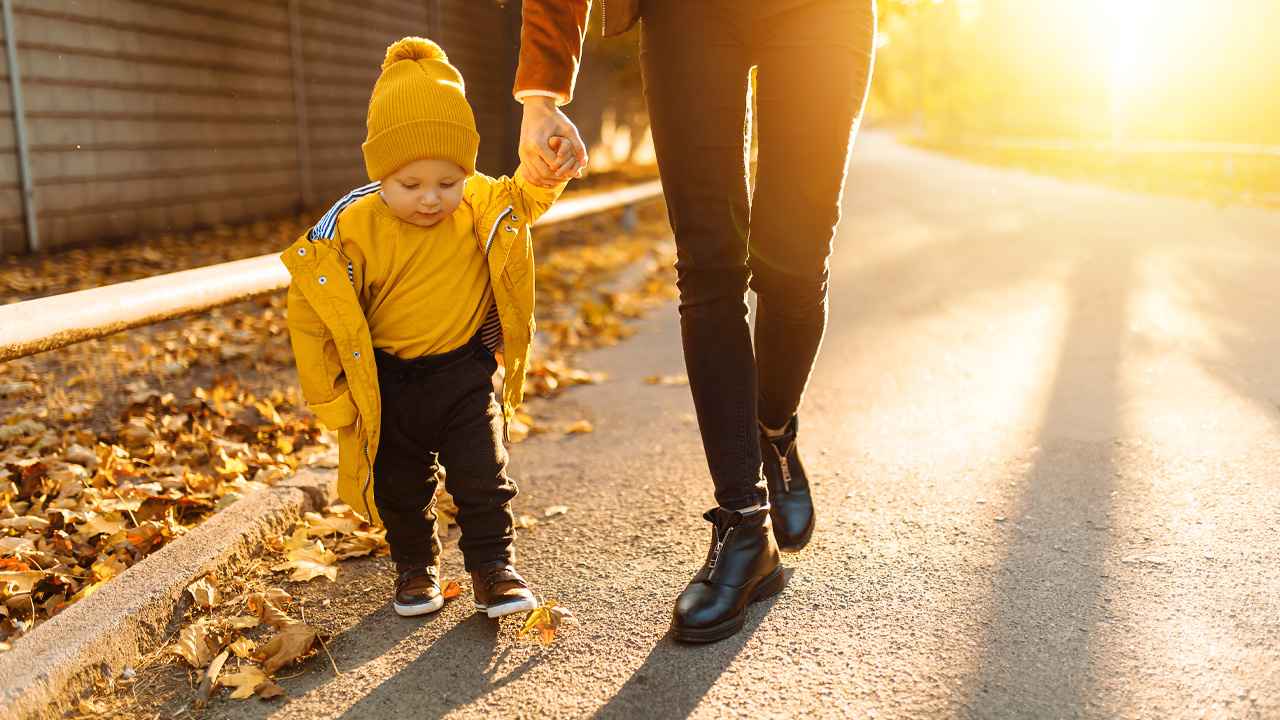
[814, 67]
[696, 62]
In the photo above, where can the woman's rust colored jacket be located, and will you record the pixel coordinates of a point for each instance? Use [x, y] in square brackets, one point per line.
[551, 40]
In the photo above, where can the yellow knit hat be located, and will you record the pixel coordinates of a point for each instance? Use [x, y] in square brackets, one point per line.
[418, 110]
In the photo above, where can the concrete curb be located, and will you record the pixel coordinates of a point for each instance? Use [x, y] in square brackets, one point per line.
[46, 672]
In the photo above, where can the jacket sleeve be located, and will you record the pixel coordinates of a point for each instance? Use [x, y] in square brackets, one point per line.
[536, 200]
[320, 373]
[551, 35]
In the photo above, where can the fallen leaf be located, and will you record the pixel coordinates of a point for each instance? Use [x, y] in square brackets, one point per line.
[362, 543]
[555, 510]
[579, 428]
[244, 681]
[667, 380]
[203, 592]
[268, 690]
[195, 645]
[291, 643]
[452, 590]
[241, 622]
[526, 522]
[547, 619]
[243, 647]
[309, 563]
[318, 525]
[268, 609]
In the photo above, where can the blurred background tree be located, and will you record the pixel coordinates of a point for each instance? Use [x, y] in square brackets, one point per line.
[1161, 70]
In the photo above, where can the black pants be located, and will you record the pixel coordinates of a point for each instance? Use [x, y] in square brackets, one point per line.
[813, 60]
[441, 409]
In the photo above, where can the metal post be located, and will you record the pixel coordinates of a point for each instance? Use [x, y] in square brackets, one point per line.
[20, 130]
[300, 104]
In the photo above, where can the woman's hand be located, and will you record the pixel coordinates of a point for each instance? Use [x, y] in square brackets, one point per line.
[549, 163]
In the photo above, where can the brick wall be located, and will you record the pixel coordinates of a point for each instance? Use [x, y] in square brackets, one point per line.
[146, 115]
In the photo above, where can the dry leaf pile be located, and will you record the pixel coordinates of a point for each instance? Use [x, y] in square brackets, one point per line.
[78, 508]
[319, 541]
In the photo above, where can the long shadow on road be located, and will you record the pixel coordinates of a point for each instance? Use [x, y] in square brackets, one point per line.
[676, 677]
[457, 669]
[1039, 652]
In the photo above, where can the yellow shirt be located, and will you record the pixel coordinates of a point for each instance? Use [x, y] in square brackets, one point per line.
[424, 291]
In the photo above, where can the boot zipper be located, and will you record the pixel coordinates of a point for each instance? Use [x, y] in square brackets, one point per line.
[786, 472]
[715, 555]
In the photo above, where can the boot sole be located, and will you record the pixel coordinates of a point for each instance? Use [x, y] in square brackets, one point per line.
[420, 608]
[772, 584]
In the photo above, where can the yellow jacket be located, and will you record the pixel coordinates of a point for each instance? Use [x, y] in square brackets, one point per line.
[333, 348]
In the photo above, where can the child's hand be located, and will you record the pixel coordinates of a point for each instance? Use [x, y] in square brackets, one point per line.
[566, 165]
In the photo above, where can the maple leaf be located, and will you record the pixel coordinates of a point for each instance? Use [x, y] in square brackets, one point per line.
[244, 681]
[241, 622]
[547, 619]
[452, 590]
[203, 592]
[291, 643]
[309, 563]
[555, 510]
[195, 645]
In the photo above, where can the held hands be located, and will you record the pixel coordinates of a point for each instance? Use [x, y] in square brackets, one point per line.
[551, 150]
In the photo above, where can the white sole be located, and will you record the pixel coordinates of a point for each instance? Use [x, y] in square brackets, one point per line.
[509, 608]
[420, 608]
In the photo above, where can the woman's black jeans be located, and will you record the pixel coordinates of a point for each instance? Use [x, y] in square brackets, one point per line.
[813, 60]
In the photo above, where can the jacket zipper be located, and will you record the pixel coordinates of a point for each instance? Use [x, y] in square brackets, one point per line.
[494, 232]
[368, 473]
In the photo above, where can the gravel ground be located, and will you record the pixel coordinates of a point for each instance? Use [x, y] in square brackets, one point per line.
[1044, 431]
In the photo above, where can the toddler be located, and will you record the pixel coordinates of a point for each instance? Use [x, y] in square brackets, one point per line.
[400, 299]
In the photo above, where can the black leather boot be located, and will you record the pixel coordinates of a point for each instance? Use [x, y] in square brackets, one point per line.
[789, 496]
[742, 566]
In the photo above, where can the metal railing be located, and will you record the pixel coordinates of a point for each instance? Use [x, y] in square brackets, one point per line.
[36, 326]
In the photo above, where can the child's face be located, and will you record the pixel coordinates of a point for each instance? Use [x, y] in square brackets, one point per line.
[424, 192]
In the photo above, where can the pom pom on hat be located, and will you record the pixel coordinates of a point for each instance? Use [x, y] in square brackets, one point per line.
[418, 110]
[413, 48]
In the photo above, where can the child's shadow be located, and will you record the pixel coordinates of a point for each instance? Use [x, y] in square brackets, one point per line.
[460, 667]
[677, 676]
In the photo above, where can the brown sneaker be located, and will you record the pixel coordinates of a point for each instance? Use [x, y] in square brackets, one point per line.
[500, 590]
[417, 589]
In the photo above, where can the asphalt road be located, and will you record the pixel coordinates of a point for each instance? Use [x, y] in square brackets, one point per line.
[1044, 427]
